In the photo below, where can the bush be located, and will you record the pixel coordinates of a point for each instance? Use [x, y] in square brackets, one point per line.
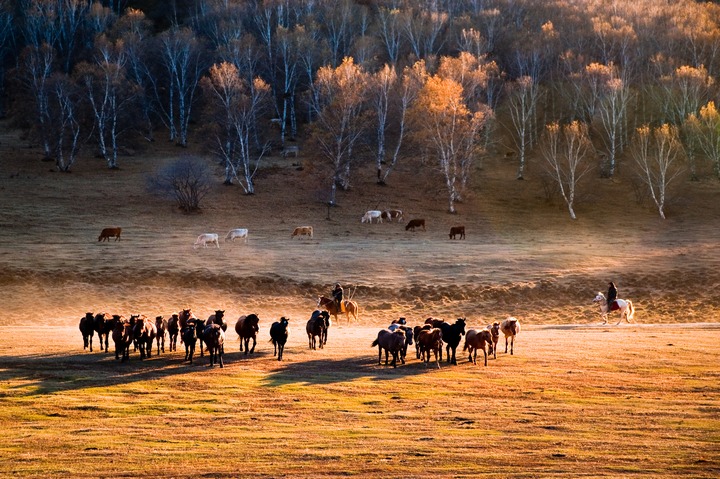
[187, 180]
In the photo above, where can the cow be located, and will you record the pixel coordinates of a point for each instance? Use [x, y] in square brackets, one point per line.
[457, 231]
[416, 223]
[237, 233]
[302, 231]
[206, 238]
[108, 233]
[294, 149]
[392, 215]
[371, 215]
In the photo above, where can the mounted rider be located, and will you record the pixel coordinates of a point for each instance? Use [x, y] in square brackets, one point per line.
[611, 296]
[337, 294]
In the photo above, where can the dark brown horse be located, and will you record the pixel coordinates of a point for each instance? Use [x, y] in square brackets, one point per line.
[103, 329]
[173, 328]
[215, 340]
[247, 328]
[87, 328]
[475, 340]
[317, 326]
[279, 336]
[161, 325]
[431, 340]
[218, 318]
[494, 329]
[189, 337]
[329, 304]
[122, 337]
[392, 342]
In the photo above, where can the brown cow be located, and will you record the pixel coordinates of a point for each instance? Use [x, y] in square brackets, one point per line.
[108, 233]
[417, 223]
[302, 230]
[457, 231]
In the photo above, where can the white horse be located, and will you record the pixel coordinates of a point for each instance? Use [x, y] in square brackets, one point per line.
[625, 306]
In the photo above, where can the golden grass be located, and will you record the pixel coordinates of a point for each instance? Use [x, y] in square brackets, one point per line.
[582, 402]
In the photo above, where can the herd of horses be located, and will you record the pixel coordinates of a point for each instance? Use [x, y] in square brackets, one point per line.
[429, 338]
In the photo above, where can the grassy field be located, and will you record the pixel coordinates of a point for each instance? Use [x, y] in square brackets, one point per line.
[629, 401]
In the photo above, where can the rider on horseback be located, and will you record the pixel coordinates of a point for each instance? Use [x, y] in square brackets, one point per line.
[611, 295]
[337, 293]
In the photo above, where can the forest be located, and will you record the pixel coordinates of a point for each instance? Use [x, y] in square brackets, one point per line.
[591, 88]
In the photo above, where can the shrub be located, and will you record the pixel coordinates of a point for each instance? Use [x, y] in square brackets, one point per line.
[187, 180]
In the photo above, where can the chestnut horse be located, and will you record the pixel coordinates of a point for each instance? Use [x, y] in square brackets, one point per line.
[328, 304]
[247, 328]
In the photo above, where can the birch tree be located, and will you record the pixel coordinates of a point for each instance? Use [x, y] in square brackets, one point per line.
[565, 151]
[37, 65]
[657, 153]
[523, 101]
[613, 113]
[448, 128]
[65, 121]
[708, 127]
[339, 122]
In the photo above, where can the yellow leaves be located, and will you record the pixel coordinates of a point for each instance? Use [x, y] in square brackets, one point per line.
[709, 113]
[442, 96]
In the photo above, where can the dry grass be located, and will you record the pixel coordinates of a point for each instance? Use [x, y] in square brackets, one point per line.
[572, 402]
[637, 400]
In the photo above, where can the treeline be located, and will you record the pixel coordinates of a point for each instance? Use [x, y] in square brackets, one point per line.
[584, 85]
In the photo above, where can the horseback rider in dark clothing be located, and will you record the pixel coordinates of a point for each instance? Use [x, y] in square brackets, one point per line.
[337, 293]
[611, 295]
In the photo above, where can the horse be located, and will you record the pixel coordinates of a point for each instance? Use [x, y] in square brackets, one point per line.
[173, 328]
[317, 325]
[392, 342]
[215, 340]
[144, 332]
[189, 337]
[625, 306]
[122, 337]
[102, 329]
[430, 339]
[87, 328]
[161, 325]
[247, 328]
[451, 334]
[475, 340]
[279, 336]
[510, 327]
[328, 304]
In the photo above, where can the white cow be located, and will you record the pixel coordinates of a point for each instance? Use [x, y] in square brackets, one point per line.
[237, 233]
[370, 215]
[206, 238]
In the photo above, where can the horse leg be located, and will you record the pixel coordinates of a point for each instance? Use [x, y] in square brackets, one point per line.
[280, 351]
[220, 353]
[512, 344]
[254, 343]
[394, 361]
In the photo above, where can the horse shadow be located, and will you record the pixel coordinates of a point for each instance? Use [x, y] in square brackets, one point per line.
[46, 374]
[332, 371]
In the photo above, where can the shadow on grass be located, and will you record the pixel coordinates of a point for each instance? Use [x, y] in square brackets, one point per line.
[43, 374]
[329, 371]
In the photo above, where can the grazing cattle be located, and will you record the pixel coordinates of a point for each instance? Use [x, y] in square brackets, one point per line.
[173, 329]
[161, 326]
[214, 337]
[416, 223]
[475, 340]
[390, 215]
[452, 333]
[329, 304]
[294, 149]
[247, 328]
[494, 329]
[206, 238]
[279, 336]
[510, 327]
[122, 337]
[431, 340]
[87, 329]
[371, 215]
[317, 326]
[392, 342]
[457, 231]
[237, 233]
[189, 336]
[218, 318]
[108, 233]
[144, 333]
[302, 231]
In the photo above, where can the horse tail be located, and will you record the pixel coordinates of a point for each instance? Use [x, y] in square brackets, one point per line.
[631, 310]
[374, 343]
